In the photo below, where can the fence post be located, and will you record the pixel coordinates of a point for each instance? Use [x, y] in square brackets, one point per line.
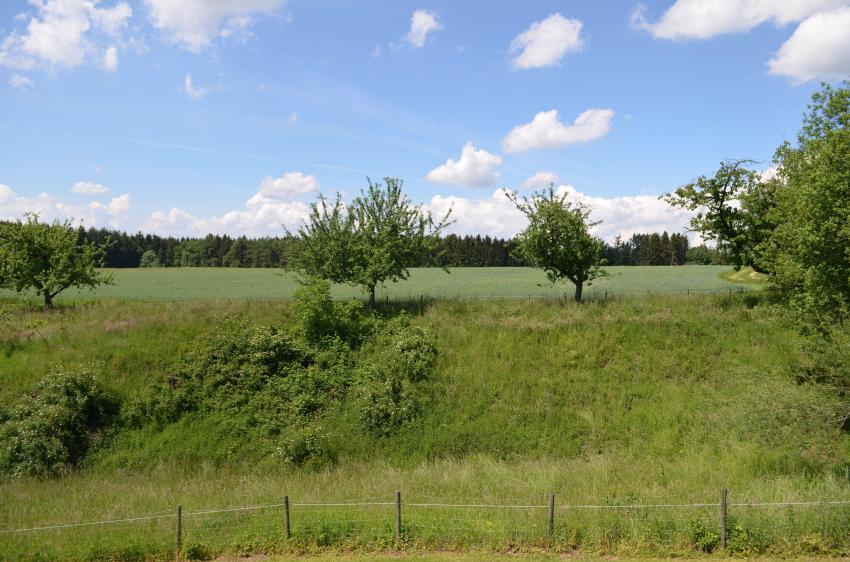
[724, 512]
[179, 529]
[398, 515]
[551, 526]
[286, 522]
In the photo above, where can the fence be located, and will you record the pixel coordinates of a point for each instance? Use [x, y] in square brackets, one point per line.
[809, 527]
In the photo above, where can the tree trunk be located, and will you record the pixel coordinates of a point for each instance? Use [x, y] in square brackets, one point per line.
[578, 292]
[371, 297]
[48, 301]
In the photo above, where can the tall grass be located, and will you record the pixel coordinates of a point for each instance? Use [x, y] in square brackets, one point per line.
[654, 400]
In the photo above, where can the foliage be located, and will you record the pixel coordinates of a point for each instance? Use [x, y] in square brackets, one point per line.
[375, 239]
[648, 249]
[149, 259]
[558, 239]
[320, 317]
[733, 208]
[54, 426]
[810, 246]
[47, 258]
[703, 538]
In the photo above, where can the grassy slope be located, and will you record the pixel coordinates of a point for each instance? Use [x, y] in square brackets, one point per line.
[658, 399]
[184, 284]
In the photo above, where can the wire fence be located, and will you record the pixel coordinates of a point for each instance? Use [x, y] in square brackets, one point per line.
[788, 527]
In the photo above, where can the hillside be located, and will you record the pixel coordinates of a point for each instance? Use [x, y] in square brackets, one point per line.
[634, 399]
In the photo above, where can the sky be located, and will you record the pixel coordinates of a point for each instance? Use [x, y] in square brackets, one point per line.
[184, 117]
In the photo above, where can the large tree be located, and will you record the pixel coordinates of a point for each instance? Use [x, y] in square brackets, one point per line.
[810, 246]
[47, 258]
[558, 239]
[375, 239]
[732, 208]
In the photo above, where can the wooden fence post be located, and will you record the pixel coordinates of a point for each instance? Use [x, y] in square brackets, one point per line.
[398, 515]
[551, 526]
[286, 522]
[724, 513]
[179, 529]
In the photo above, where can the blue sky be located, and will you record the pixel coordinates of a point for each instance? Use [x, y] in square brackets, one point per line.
[187, 116]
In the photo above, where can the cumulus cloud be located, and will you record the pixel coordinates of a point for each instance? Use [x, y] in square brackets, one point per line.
[698, 19]
[20, 82]
[497, 216]
[64, 33]
[266, 213]
[546, 41]
[547, 131]
[191, 90]
[540, 180]
[422, 24]
[195, 24]
[476, 167]
[109, 62]
[819, 48]
[89, 188]
[14, 206]
[288, 186]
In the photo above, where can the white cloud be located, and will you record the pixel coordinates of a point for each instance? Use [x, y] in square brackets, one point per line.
[546, 131]
[819, 48]
[89, 188]
[64, 33]
[191, 90]
[14, 206]
[475, 167]
[110, 59]
[700, 19]
[265, 213]
[497, 216]
[287, 186]
[293, 118]
[546, 41]
[541, 180]
[195, 24]
[20, 82]
[422, 23]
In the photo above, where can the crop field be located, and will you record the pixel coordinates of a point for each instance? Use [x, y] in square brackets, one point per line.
[188, 284]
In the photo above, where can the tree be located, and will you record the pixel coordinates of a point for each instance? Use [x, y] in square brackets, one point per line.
[733, 208]
[48, 258]
[149, 259]
[810, 246]
[558, 239]
[375, 239]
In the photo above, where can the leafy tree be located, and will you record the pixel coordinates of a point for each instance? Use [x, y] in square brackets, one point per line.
[558, 239]
[810, 245]
[373, 240]
[733, 208]
[149, 259]
[48, 258]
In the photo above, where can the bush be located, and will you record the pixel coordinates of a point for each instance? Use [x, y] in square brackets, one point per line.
[54, 426]
[320, 317]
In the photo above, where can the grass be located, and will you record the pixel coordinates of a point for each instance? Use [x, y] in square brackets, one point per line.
[657, 400]
[188, 284]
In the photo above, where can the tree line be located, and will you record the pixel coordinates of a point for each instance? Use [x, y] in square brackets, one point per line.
[125, 250]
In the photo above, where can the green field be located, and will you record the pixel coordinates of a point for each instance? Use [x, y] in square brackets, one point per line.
[186, 284]
[661, 400]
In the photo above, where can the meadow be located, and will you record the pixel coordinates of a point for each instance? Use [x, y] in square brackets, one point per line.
[195, 283]
[657, 400]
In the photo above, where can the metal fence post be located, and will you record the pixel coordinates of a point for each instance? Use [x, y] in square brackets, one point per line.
[398, 515]
[724, 513]
[286, 522]
[179, 529]
[551, 526]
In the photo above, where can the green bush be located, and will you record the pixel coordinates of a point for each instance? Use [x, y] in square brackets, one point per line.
[703, 539]
[55, 425]
[320, 317]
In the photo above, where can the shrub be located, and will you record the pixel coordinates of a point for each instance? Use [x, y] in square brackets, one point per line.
[702, 538]
[54, 426]
[320, 317]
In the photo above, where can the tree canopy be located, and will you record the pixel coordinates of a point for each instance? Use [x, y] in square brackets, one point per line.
[558, 239]
[47, 258]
